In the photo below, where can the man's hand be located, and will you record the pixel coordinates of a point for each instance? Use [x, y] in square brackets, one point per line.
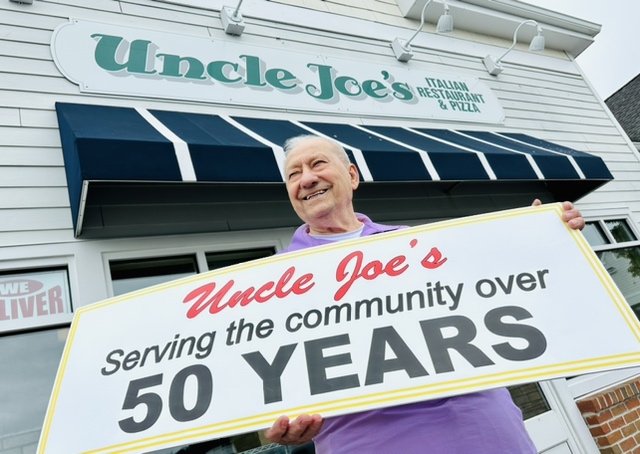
[571, 214]
[297, 432]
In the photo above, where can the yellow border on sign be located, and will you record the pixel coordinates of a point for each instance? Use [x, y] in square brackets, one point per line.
[441, 389]
[449, 388]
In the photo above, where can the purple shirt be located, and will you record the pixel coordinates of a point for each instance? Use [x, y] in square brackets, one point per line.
[486, 422]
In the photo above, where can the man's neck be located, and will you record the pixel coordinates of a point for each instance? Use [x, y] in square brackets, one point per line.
[333, 226]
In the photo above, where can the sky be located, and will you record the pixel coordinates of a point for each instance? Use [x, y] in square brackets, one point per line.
[614, 58]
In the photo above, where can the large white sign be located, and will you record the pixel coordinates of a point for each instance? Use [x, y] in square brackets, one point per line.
[105, 58]
[420, 313]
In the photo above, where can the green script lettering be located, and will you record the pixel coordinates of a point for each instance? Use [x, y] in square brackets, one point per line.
[172, 63]
[141, 53]
[325, 91]
[402, 91]
[253, 77]
[217, 72]
[375, 89]
[276, 76]
[107, 48]
[344, 82]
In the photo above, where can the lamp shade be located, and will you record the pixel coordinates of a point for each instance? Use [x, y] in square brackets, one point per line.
[537, 43]
[445, 24]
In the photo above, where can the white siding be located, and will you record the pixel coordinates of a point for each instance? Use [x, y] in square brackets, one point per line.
[544, 96]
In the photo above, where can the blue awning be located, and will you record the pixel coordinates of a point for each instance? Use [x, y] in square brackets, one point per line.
[108, 147]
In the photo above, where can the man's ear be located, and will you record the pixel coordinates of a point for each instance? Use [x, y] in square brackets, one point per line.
[355, 176]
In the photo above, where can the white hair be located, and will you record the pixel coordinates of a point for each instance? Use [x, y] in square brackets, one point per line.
[295, 141]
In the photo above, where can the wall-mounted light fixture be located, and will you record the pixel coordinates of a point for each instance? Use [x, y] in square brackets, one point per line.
[402, 49]
[231, 18]
[494, 67]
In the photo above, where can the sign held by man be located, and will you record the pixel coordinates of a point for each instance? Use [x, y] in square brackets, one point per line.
[380, 316]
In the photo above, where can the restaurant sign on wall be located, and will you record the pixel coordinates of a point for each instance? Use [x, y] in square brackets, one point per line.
[106, 58]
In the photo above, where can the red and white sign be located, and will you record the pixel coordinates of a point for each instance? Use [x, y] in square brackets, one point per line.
[33, 296]
[421, 313]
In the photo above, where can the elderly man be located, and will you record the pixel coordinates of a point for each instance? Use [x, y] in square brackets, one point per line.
[320, 182]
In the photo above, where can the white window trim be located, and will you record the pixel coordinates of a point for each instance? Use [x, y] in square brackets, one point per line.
[586, 385]
[199, 251]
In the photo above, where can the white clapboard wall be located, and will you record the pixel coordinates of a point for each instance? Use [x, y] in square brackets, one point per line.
[551, 101]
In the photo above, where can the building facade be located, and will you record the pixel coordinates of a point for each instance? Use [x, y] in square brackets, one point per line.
[140, 141]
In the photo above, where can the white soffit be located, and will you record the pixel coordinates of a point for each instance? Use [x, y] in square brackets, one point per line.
[498, 18]
[501, 17]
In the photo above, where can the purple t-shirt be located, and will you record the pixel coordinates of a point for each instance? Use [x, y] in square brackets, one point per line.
[486, 422]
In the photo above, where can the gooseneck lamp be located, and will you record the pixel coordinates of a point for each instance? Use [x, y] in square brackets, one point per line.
[494, 66]
[402, 49]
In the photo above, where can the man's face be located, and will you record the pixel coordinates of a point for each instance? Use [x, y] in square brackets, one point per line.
[319, 184]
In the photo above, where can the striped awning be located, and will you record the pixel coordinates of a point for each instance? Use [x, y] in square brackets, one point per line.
[115, 144]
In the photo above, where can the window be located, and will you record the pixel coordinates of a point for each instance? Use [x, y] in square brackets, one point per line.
[217, 260]
[616, 243]
[29, 365]
[32, 302]
[135, 274]
[530, 399]
[618, 248]
[128, 275]
[31, 297]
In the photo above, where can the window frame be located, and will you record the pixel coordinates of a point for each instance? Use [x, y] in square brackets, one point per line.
[199, 251]
[585, 385]
[35, 265]
[613, 244]
[55, 322]
[191, 256]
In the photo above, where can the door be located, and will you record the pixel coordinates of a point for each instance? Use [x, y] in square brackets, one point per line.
[552, 418]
